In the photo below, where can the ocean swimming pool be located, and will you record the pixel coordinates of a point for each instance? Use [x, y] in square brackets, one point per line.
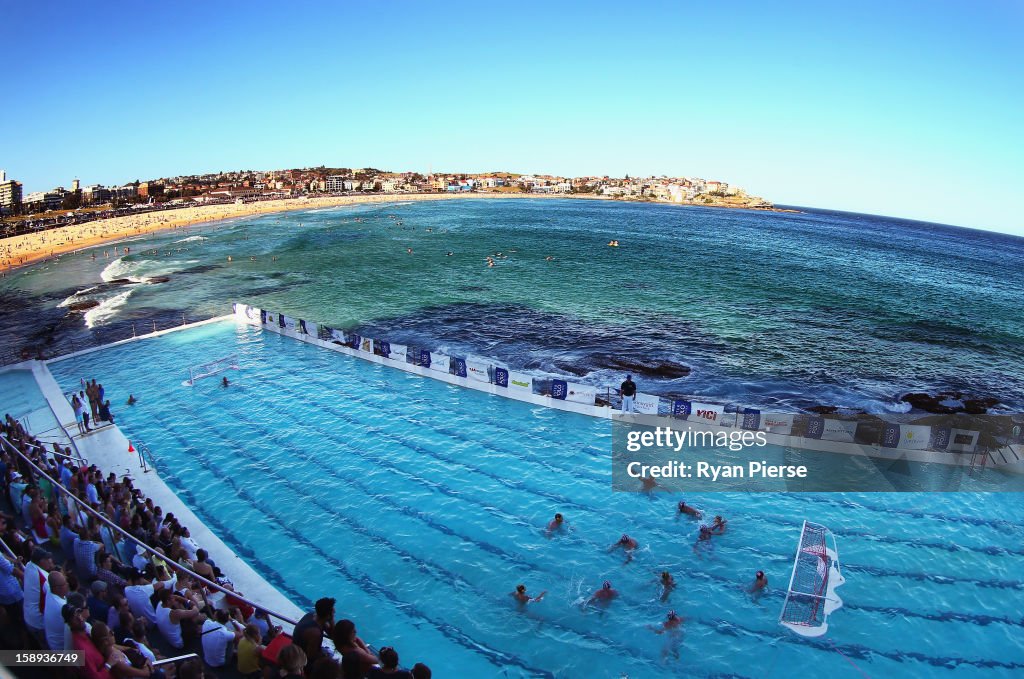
[420, 506]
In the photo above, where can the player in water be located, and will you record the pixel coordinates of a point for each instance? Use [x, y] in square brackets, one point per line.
[686, 510]
[757, 587]
[627, 544]
[522, 598]
[556, 525]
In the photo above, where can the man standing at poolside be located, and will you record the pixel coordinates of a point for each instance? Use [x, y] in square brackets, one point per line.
[628, 391]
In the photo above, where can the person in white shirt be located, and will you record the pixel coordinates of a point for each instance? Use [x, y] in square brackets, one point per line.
[170, 612]
[35, 589]
[139, 593]
[218, 635]
[188, 544]
[53, 621]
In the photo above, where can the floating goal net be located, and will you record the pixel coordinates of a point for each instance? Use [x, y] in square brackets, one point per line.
[198, 372]
[811, 595]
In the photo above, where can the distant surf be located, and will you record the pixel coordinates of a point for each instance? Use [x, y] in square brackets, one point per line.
[191, 239]
[107, 309]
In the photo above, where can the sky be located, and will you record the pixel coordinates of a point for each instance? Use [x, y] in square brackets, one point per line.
[909, 109]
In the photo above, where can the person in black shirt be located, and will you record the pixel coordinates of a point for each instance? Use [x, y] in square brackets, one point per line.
[628, 391]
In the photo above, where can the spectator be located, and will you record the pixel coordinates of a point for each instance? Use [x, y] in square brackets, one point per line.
[351, 646]
[291, 660]
[86, 547]
[325, 668]
[421, 671]
[52, 620]
[219, 635]
[170, 613]
[139, 593]
[11, 596]
[95, 665]
[35, 591]
[250, 648]
[313, 627]
[99, 608]
[388, 666]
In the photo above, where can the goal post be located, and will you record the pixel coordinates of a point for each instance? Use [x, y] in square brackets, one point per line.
[811, 595]
[203, 370]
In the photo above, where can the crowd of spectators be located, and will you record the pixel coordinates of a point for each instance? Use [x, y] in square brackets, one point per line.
[68, 581]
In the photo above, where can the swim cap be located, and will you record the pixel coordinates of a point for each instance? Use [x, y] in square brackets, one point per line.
[624, 538]
[664, 574]
[760, 574]
[672, 615]
[520, 588]
[607, 585]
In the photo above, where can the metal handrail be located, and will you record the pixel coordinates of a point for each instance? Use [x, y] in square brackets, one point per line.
[177, 658]
[110, 524]
[45, 451]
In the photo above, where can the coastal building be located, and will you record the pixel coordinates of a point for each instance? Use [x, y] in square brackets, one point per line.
[336, 183]
[10, 193]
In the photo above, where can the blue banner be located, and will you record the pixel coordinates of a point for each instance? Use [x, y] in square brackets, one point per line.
[559, 389]
[942, 435]
[385, 348]
[459, 366]
[352, 341]
[815, 427]
[263, 316]
[891, 437]
[751, 419]
[681, 409]
[424, 358]
[501, 377]
[280, 320]
[302, 327]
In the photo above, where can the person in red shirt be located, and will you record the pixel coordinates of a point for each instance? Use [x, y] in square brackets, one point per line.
[95, 666]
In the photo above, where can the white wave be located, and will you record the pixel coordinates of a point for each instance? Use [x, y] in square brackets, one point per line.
[76, 297]
[190, 239]
[107, 309]
[122, 269]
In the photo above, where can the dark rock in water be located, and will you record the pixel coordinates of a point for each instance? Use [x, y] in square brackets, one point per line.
[158, 279]
[822, 410]
[83, 305]
[571, 369]
[948, 403]
[120, 281]
[656, 368]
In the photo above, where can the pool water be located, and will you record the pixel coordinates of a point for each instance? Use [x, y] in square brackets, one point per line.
[420, 506]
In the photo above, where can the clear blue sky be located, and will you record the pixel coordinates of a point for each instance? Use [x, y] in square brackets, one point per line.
[912, 109]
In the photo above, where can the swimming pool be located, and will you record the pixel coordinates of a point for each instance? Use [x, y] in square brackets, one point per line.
[420, 506]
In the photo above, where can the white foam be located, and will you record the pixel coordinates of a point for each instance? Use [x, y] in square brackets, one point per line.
[121, 269]
[76, 297]
[107, 309]
[191, 239]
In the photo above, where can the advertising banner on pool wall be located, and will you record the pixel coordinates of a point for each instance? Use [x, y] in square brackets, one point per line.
[745, 451]
[440, 362]
[518, 381]
[477, 370]
[646, 404]
[398, 352]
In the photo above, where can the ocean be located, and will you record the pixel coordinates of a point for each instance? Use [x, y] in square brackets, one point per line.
[785, 311]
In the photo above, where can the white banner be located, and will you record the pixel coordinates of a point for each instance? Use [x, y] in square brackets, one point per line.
[337, 335]
[440, 362]
[477, 370]
[289, 323]
[839, 430]
[581, 393]
[962, 441]
[520, 381]
[398, 352]
[366, 344]
[914, 436]
[646, 404]
[777, 424]
[708, 413]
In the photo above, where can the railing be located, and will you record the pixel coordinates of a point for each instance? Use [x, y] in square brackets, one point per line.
[77, 457]
[83, 506]
[144, 453]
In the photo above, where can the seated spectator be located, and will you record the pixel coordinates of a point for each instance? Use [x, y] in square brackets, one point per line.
[191, 669]
[87, 544]
[140, 639]
[107, 570]
[250, 648]
[95, 665]
[171, 611]
[219, 635]
[421, 671]
[291, 660]
[351, 646]
[139, 593]
[116, 657]
[11, 597]
[52, 620]
[325, 668]
[313, 627]
[388, 666]
[99, 608]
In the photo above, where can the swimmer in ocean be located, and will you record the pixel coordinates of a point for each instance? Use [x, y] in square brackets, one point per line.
[556, 524]
[718, 525]
[224, 382]
[409, 250]
[603, 595]
[688, 511]
[522, 598]
[668, 583]
[132, 400]
[627, 544]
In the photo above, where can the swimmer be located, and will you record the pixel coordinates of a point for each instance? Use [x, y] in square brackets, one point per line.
[703, 540]
[671, 628]
[556, 524]
[229, 258]
[668, 583]
[627, 544]
[549, 258]
[449, 254]
[648, 484]
[603, 595]
[758, 585]
[718, 525]
[523, 598]
[224, 382]
[409, 250]
[132, 400]
[688, 510]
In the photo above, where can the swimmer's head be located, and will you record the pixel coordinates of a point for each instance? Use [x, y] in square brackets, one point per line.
[704, 528]
[718, 519]
[672, 615]
[665, 575]
[624, 539]
[606, 585]
[682, 505]
[760, 574]
[520, 588]
[558, 518]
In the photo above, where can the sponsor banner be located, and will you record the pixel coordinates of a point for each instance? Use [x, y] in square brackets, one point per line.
[940, 439]
[440, 362]
[263, 316]
[815, 427]
[646, 404]
[751, 419]
[424, 358]
[681, 409]
[708, 413]
[501, 377]
[337, 335]
[915, 436]
[352, 340]
[302, 327]
[384, 347]
[281, 321]
[559, 389]
[477, 370]
[581, 393]
[838, 430]
[398, 352]
[460, 366]
[520, 382]
[366, 344]
[962, 441]
[777, 424]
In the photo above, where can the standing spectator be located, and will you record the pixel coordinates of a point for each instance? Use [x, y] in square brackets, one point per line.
[76, 405]
[11, 596]
[52, 618]
[628, 391]
[35, 591]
